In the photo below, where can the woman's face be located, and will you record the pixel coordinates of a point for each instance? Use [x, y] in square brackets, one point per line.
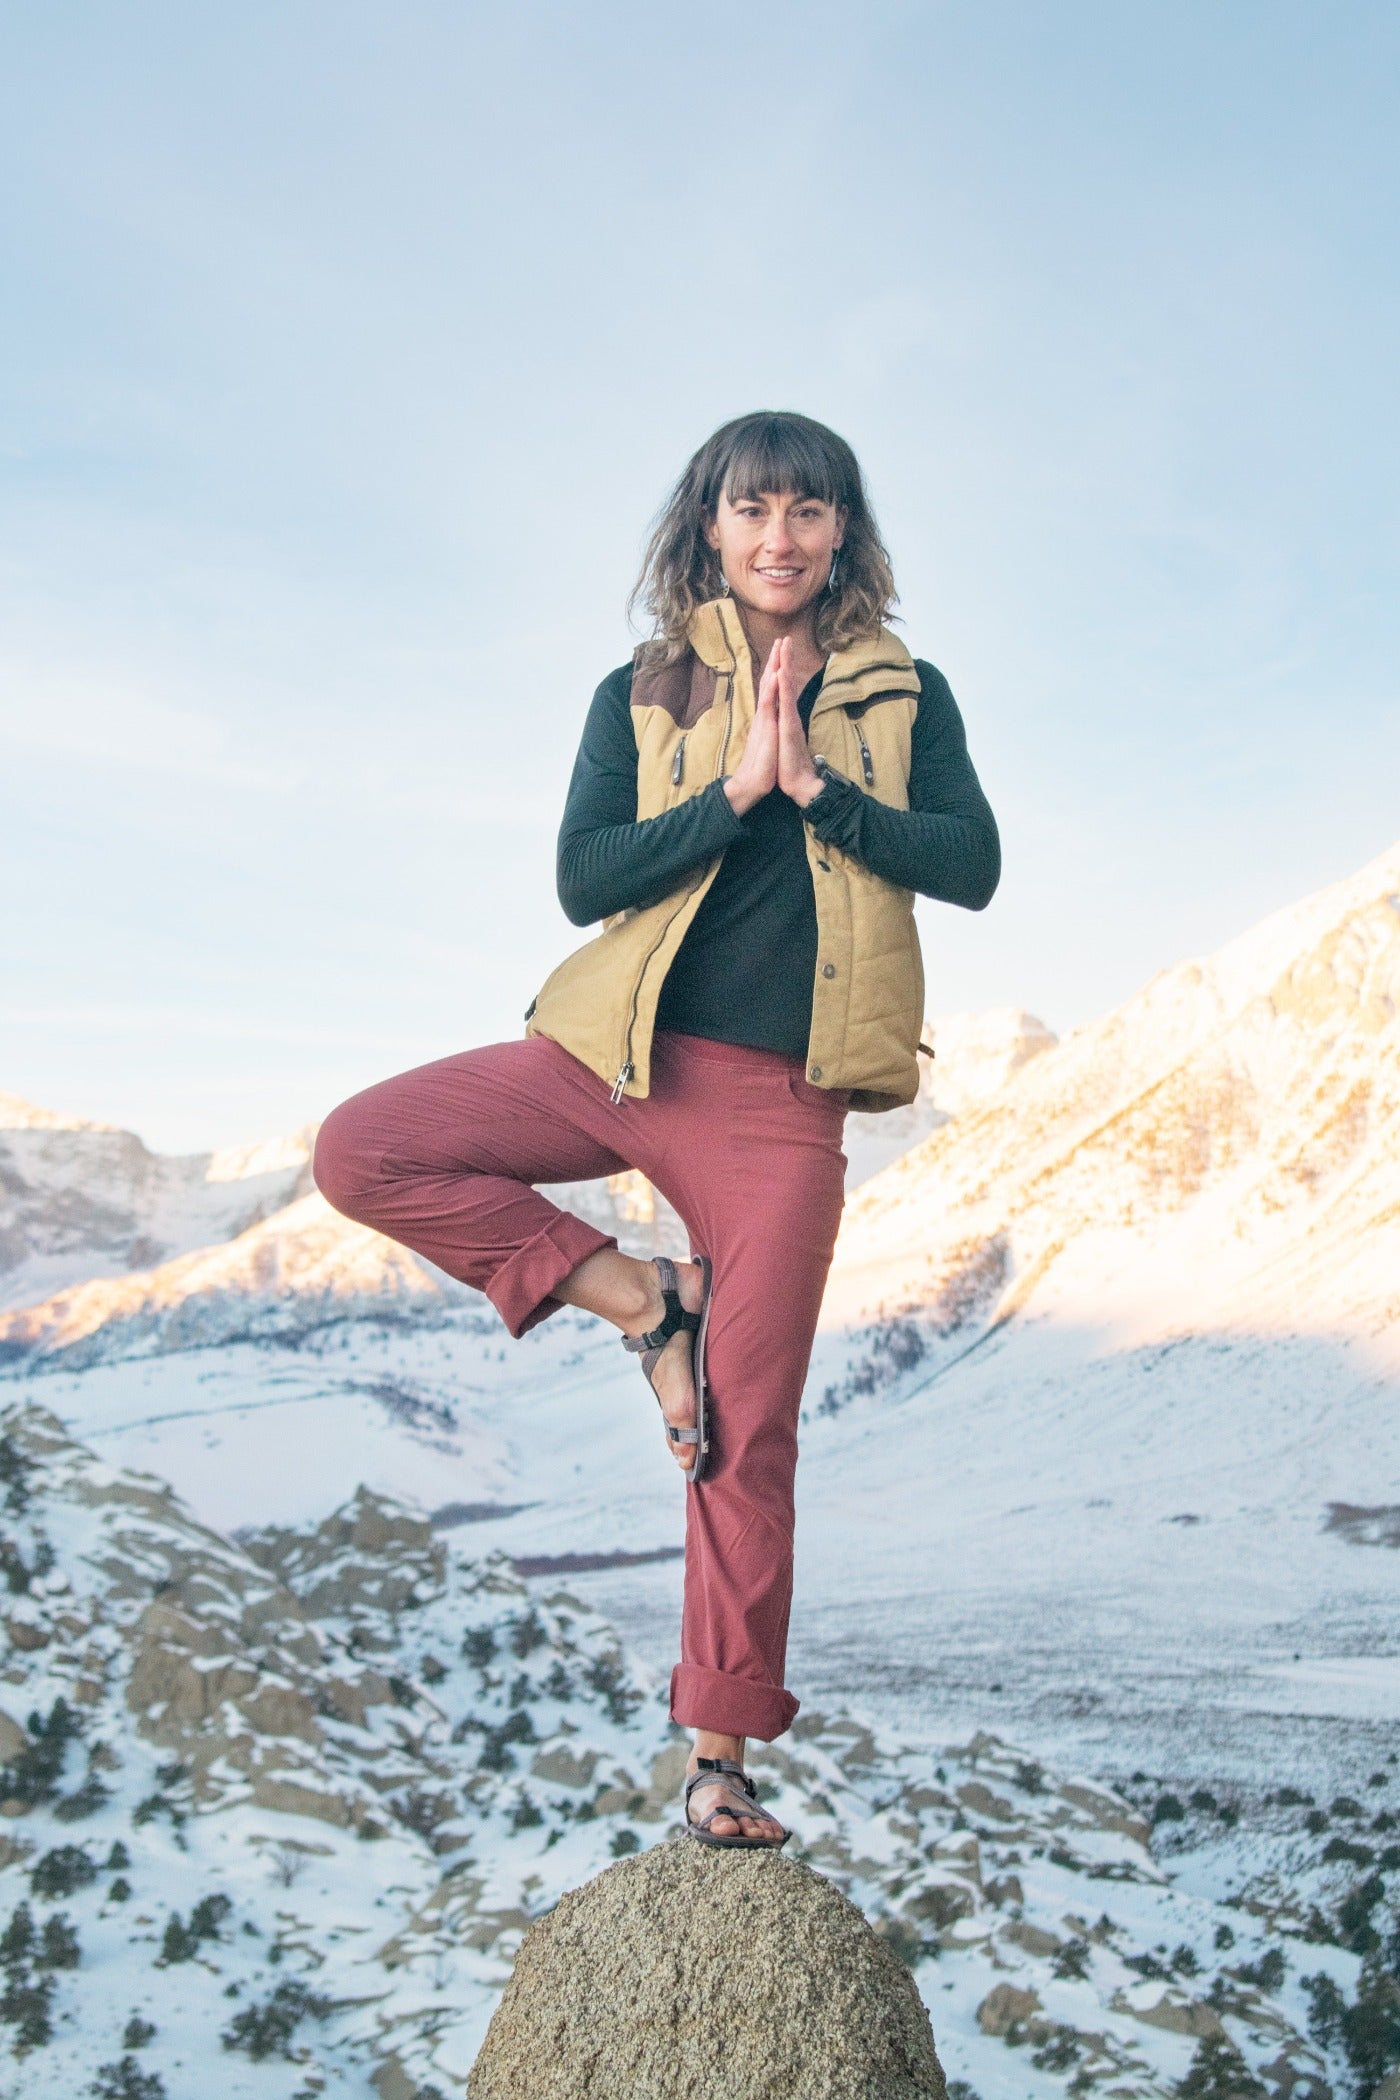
[776, 550]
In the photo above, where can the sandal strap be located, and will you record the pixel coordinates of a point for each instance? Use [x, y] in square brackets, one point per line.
[720, 1771]
[677, 1320]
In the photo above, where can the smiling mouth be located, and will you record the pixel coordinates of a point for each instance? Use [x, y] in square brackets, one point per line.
[779, 575]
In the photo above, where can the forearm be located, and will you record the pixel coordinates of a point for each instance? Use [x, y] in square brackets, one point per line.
[604, 868]
[954, 856]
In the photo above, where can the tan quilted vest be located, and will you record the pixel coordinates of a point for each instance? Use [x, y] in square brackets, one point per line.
[691, 720]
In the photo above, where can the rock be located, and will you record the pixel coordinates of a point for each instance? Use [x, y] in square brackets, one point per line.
[688, 1971]
[1005, 2007]
[13, 1739]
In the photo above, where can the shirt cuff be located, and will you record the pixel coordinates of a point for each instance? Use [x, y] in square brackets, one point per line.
[830, 811]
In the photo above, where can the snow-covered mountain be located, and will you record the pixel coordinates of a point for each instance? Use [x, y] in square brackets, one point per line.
[1222, 1150]
[286, 1805]
[1103, 1411]
[973, 1056]
[82, 1199]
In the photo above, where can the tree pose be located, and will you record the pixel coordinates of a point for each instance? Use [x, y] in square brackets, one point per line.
[757, 797]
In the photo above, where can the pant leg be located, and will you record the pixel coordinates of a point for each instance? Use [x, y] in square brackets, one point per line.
[760, 1184]
[441, 1158]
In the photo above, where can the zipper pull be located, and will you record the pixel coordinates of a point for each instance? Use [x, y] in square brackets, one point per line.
[678, 764]
[866, 762]
[620, 1083]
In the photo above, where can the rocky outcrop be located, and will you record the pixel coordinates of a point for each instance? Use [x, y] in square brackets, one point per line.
[689, 1971]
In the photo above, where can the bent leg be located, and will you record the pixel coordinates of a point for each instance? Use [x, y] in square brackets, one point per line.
[442, 1159]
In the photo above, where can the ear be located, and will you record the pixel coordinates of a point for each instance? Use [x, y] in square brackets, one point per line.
[711, 530]
[842, 519]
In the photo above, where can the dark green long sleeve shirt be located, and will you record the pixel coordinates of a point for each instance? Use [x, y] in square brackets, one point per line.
[744, 971]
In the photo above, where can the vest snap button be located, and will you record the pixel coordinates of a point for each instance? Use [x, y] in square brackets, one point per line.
[816, 1072]
[828, 969]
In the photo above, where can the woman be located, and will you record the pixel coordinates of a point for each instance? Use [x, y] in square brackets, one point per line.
[755, 801]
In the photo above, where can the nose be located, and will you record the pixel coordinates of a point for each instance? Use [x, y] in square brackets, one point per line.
[778, 540]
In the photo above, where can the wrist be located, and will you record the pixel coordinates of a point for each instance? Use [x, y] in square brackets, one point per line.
[805, 793]
[740, 799]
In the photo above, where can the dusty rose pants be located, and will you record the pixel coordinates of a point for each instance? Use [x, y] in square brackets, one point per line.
[443, 1158]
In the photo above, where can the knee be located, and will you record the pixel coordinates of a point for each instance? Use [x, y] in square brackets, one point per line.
[345, 1161]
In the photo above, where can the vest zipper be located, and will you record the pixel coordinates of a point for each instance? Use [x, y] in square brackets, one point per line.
[678, 764]
[620, 1083]
[867, 763]
[627, 1067]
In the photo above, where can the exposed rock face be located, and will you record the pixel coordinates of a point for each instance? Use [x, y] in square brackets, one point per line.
[688, 1971]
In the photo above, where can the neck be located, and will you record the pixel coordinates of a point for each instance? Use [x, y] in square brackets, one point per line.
[764, 629]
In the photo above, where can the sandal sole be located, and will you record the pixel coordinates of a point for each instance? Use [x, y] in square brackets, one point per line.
[696, 1473]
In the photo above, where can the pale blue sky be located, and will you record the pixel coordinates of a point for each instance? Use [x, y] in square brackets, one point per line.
[348, 350]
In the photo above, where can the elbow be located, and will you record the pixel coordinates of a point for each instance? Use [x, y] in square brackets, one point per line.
[577, 908]
[988, 875]
[571, 887]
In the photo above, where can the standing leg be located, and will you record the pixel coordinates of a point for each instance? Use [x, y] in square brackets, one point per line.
[760, 1182]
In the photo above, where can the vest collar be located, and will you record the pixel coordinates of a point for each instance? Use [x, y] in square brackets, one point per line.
[877, 664]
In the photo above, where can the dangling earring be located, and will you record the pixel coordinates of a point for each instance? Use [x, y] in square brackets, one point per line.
[831, 579]
[723, 582]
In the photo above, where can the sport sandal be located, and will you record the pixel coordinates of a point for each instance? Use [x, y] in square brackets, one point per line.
[649, 1347]
[737, 1782]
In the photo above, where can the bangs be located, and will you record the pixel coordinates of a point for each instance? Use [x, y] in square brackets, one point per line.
[782, 455]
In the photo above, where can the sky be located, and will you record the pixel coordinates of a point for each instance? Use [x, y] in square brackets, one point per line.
[347, 352]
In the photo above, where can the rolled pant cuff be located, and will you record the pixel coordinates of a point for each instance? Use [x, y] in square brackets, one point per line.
[522, 1289]
[728, 1705]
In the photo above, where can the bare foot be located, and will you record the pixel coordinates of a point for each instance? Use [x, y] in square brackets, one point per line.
[673, 1373]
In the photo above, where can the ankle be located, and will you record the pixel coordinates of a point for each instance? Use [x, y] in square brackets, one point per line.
[709, 1744]
[640, 1305]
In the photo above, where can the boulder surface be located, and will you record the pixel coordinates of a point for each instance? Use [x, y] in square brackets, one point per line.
[688, 1971]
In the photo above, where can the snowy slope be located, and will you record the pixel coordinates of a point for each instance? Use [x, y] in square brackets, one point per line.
[286, 1806]
[1106, 1361]
[974, 1054]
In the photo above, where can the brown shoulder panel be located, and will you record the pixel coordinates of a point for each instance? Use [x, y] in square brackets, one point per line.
[686, 689]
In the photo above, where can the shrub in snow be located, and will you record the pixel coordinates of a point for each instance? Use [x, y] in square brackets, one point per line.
[25, 2006]
[267, 2029]
[62, 1872]
[1071, 1963]
[208, 1915]
[1219, 2072]
[118, 1858]
[624, 1842]
[15, 1470]
[127, 2081]
[526, 1635]
[607, 1675]
[35, 1774]
[85, 1801]
[17, 1940]
[179, 1943]
[1168, 1809]
[479, 1645]
[120, 1891]
[137, 2033]
[58, 1945]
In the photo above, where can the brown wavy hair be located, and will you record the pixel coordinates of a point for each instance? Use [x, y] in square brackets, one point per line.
[770, 453]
